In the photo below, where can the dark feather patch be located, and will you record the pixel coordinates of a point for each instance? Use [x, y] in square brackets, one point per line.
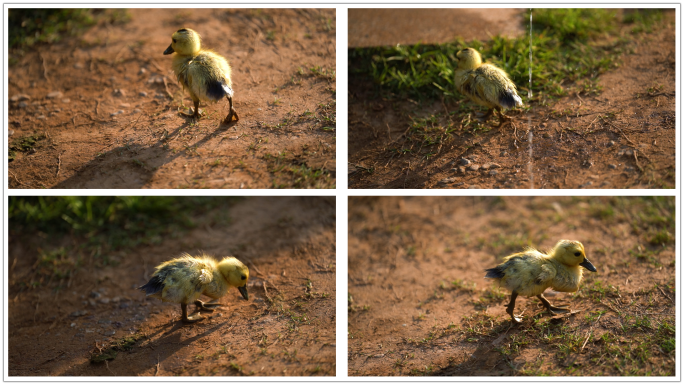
[182, 30]
[496, 272]
[507, 99]
[215, 89]
[156, 284]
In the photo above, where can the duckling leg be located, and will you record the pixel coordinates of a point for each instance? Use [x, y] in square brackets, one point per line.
[502, 118]
[555, 310]
[189, 319]
[195, 115]
[231, 113]
[511, 306]
[206, 307]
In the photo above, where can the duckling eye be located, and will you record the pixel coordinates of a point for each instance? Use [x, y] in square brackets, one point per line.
[578, 254]
[243, 277]
[174, 41]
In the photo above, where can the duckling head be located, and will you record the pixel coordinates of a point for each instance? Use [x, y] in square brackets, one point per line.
[469, 58]
[185, 42]
[571, 253]
[235, 273]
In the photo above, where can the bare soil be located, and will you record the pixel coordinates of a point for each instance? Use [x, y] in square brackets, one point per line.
[420, 304]
[115, 121]
[622, 138]
[286, 328]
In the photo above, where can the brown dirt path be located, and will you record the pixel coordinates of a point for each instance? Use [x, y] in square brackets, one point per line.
[284, 80]
[286, 328]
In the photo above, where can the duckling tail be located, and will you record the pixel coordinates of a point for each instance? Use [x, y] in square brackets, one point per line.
[217, 90]
[495, 273]
[156, 284]
[509, 99]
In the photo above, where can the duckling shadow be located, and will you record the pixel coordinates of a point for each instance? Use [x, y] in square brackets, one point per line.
[131, 165]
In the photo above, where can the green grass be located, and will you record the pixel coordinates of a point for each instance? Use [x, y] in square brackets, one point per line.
[569, 53]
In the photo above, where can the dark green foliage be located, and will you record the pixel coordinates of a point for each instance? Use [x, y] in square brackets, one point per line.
[27, 26]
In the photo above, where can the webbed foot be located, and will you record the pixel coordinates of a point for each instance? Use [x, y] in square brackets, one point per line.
[229, 118]
[207, 307]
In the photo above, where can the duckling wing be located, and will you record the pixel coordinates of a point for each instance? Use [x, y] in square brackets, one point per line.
[548, 273]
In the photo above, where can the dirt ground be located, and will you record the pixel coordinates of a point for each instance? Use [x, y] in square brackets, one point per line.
[286, 328]
[622, 138]
[103, 107]
[420, 305]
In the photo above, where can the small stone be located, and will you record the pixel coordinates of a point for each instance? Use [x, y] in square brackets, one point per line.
[446, 181]
[629, 169]
[464, 161]
[104, 300]
[78, 66]
[543, 125]
[110, 333]
[116, 113]
[474, 167]
[610, 144]
[142, 71]
[41, 117]
[160, 96]
[123, 305]
[119, 92]
[10, 132]
[54, 95]
[135, 111]
[95, 294]
[612, 166]
[494, 165]
[92, 302]
[454, 170]
[587, 184]
[493, 173]
[142, 93]
[461, 169]
[73, 325]
[20, 97]
[116, 299]
[459, 184]
[486, 166]
[234, 137]
[474, 187]
[79, 313]
[104, 321]
[22, 104]
[124, 105]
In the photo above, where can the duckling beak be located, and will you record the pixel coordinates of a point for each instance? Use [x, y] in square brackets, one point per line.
[169, 50]
[588, 265]
[243, 291]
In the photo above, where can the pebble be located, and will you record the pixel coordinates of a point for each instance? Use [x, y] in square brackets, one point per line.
[95, 294]
[454, 170]
[136, 111]
[612, 166]
[629, 169]
[461, 169]
[119, 92]
[116, 299]
[142, 71]
[123, 305]
[474, 167]
[110, 333]
[464, 161]
[104, 321]
[486, 166]
[79, 313]
[234, 137]
[116, 113]
[20, 97]
[543, 125]
[587, 184]
[54, 95]
[160, 96]
[142, 93]
[104, 300]
[494, 165]
[124, 105]
[66, 100]
[10, 132]
[23, 104]
[41, 117]
[474, 187]
[610, 144]
[78, 66]
[446, 181]
[73, 325]
[493, 173]
[459, 184]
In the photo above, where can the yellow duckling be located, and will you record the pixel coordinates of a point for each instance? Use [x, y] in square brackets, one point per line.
[485, 84]
[183, 279]
[529, 273]
[205, 74]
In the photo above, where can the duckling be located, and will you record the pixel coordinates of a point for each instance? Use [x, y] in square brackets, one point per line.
[204, 73]
[183, 279]
[530, 273]
[485, 84]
